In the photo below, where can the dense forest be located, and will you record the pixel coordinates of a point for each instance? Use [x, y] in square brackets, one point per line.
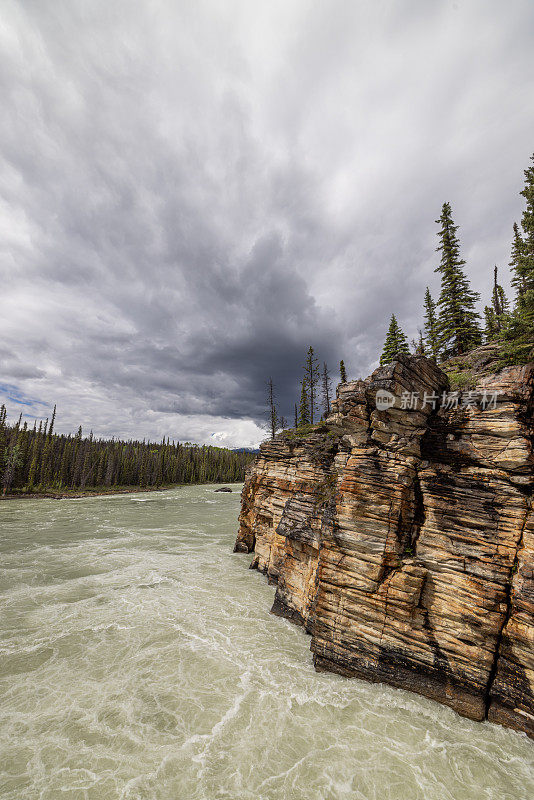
[39, 460]
[452, 325]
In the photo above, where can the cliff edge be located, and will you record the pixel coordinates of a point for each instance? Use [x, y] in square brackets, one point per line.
[401, 536]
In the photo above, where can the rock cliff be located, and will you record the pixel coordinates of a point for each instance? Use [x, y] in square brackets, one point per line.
[402, 539]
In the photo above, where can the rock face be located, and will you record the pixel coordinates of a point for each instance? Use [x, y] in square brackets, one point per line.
[403, 539]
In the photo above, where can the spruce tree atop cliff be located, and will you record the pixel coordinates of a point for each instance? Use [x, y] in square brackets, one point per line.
[458, 326]
[521, 329]
[517, 263]
[311, 376]
[496, 315]
[431, 325]
[326, 390]
[342, 372]
[272, 416]
[304, 409]
[396, 342]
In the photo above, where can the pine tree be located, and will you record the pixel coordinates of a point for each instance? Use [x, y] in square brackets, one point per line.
[396, 342]
[12, 459]
[304, 408]
[46, 459]
[51, 428]
[490, 328]
[517, 263]
[3, 415]
[342, 372]
[326, 387]
[32, 473]
[527, 223]
[3, 437]
[497, 315]
[501, 306]
[31, 457]
[418, 345]
[272, 417]
[431, 326]
[64, 464]
[520, 331]
[458, 323]
[311, 375]
[296, 416]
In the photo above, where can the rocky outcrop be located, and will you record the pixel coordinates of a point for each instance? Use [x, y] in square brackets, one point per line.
[402, 539]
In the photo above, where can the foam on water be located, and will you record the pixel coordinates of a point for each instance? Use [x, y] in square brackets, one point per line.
[139, 662]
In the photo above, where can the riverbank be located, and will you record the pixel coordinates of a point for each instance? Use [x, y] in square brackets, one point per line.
[99, 491]
[96, 492]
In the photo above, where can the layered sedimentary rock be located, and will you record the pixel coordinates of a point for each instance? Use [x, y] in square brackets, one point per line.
[403, 538]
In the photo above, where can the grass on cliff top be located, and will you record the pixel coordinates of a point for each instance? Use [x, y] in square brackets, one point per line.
[466, 370]
[462, 380]
[305, 430]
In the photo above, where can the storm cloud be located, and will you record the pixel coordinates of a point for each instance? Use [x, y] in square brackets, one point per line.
[193, 193]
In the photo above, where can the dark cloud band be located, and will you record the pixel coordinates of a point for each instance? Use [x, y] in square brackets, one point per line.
[194, 193]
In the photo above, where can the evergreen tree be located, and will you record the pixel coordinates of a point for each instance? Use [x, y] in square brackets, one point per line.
[396, 342]
[12, 459]
[46, 461]
[296, 416]
[32, 457]
[490, 328]
[342, 372]
[311, 375]
[431, 326]
[517, 263]
[418, 345]
[458, 327]
[3, 415]
[272, 417]
[500, 303]
[64, 464]
[3, 437]
[32, 473]
[527, 223]
[304, 407]
[496, 315]
[51, 428]
[520, 331]
[326, 387]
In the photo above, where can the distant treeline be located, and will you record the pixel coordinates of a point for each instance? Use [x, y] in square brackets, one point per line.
[38, 460]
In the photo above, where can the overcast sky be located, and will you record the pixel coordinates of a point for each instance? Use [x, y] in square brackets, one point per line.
[191, 193]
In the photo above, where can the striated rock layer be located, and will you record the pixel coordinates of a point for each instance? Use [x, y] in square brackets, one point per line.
[403, 539]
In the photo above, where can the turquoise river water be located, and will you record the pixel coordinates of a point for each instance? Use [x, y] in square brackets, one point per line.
[139, 661]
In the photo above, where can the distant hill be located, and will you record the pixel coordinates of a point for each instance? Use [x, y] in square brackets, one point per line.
[246, 450]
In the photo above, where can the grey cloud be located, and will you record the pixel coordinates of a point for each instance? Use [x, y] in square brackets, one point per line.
[194, 193]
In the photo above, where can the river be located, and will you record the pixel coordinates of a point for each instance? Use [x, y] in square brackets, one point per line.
[138, 660]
